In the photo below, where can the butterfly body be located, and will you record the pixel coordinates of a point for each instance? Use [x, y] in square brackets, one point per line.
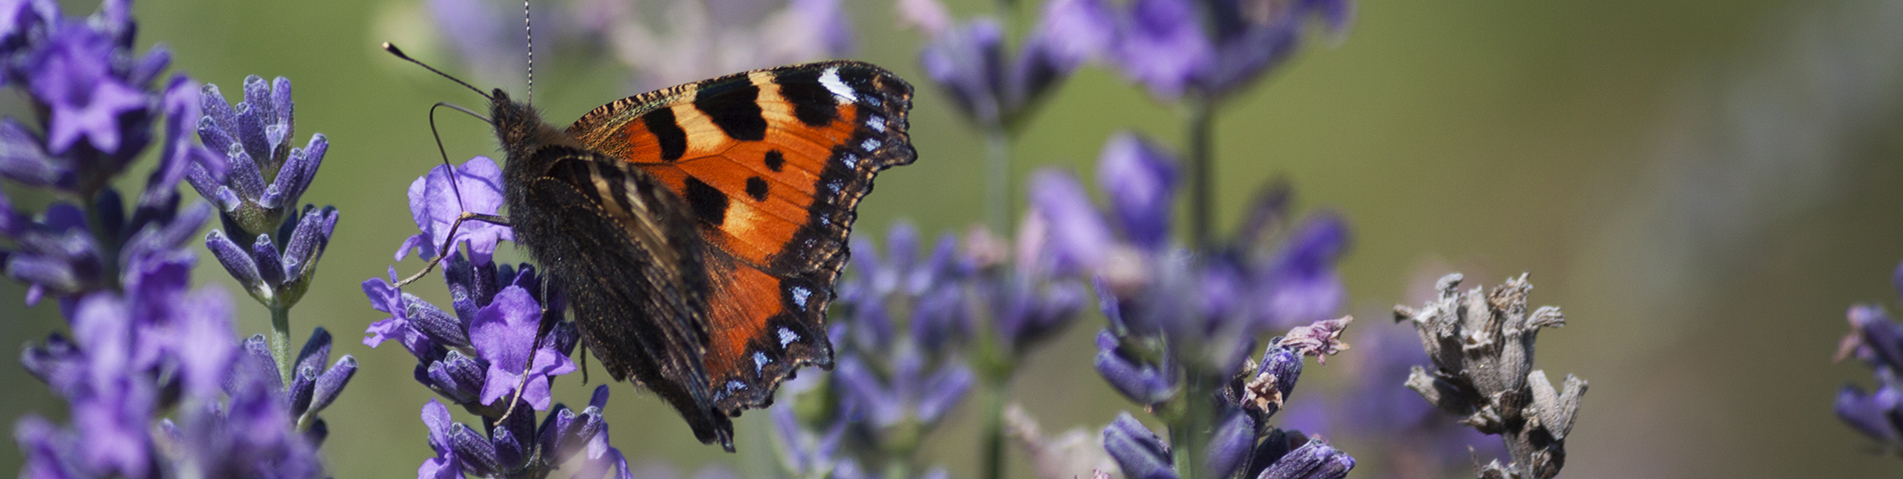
[697, 230]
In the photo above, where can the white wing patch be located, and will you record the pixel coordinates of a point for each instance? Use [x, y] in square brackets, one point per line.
[830, 79]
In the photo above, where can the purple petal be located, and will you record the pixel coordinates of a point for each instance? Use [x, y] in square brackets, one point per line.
[435, 205]
[1077, 30]
[1161, 45]
[968, 62]
[1143, 383]
[270, 265]
[332, 382]
[1871, 413]
[22, 158]
[1140, 453]
[943, 391]
[204, 344]
[503, 333]
[1314, 460]
[1140, 180]
[1231, 444]
[1079, 240]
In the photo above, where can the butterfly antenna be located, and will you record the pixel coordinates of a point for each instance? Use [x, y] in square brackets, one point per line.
[388, 47]
[528, 31]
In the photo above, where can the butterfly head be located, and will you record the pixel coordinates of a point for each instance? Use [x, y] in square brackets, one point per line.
[520, 128]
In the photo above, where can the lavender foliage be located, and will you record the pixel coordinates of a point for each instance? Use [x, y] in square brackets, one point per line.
[489, 345]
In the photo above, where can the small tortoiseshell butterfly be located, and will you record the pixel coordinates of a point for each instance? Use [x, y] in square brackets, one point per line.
[697, 230]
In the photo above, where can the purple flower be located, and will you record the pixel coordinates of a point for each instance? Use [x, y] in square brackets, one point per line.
[1139, 177]
[517, 447]
[1299, 283]
[504, 333]
[278, 274]
[435, 204]
[1313, 460]
[259, 193]
[251, 434]
[73, 76]
[927, 292]
[477, 354]
[96, 96]
[1124, 367]
[1079, 239]
[907, 395]
[1214, 46]
[992, 87]
[1140, 453]
[1376, 405]
[1877, 341]
[807, 453]
[1162, 45]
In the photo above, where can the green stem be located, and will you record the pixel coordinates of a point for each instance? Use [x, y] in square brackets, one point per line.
[1190, 429]
[994, 433]
[281, 340]
[1202, 189]
[998, 181]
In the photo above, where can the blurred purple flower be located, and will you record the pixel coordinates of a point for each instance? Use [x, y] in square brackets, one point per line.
[928, 291]
[95, 96]
[906, 395]
[435, 205]
[681, 41]
[1162, 44]
[1877, 341]
[1377, 405]
[91, 136]
[1139, 178]
[807, 453]
[1215, 46]
[1299, 283]
[991, 87]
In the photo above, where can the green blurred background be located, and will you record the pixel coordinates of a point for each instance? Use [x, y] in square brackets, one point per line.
[1703, 186]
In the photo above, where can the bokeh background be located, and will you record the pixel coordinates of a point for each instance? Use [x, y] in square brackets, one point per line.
[1703, 186]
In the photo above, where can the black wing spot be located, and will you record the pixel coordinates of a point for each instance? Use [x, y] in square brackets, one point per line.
[708, 202]
[813, 104]
[672, 138]
[775, 160]
[733, 106]
[756, 188]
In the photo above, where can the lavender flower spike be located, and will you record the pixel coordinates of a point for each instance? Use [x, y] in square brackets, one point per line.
[259, 194]
[1482, 349]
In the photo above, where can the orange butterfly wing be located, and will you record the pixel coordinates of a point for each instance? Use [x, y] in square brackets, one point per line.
[772, 163]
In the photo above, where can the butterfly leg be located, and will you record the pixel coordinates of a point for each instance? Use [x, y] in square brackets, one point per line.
[449, 242]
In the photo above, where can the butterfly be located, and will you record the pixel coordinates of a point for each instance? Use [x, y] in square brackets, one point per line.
[697, 230]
